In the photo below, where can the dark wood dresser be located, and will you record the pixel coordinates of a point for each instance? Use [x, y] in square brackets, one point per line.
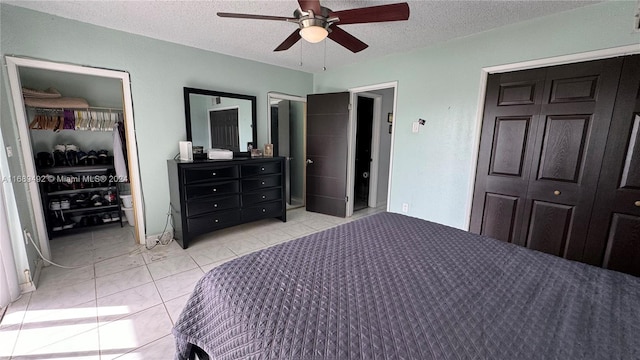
[208, 195]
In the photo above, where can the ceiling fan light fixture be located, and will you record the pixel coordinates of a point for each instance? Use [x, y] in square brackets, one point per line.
[314, 34]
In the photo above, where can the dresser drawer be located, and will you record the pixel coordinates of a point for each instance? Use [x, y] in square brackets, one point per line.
[265, 210]
[259, 196]
[218, 188]
[217, 220]
[261, 182]
[206, 205]
[210, 174]
[271, 167]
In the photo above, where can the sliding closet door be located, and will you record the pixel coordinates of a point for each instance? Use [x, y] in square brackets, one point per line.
[540, 154]
[614, 234]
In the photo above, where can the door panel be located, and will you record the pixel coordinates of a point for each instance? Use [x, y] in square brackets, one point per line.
[327, 134]
[509, 145]
[622, 245]
[506, 147]
[563, 148]
[614, 233]
[500, 211]
[550, 227]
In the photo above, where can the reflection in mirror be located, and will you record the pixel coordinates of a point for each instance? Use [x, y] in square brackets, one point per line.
[220, 120]
[287, 119]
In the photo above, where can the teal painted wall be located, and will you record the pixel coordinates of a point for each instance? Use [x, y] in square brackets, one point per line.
[432, 170]
[159, 70]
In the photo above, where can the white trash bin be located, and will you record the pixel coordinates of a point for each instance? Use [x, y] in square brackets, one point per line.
[128, 213]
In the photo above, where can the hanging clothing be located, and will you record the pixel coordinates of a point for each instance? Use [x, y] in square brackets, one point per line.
[118, 156]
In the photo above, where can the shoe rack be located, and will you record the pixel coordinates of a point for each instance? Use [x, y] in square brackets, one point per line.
[79, 197]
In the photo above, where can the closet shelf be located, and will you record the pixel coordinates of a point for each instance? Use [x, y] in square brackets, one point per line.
[91, 209]
[67, 192]
[74, 169]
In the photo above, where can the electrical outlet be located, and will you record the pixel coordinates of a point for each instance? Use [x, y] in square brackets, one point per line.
[9, 151]
[405, 208]
[414, 127]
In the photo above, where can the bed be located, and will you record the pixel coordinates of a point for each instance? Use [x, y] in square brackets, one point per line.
[390, 286]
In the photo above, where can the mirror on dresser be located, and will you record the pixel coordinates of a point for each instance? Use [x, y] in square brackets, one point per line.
[220, 120]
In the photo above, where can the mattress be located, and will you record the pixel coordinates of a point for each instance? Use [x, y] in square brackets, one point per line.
[390, 286]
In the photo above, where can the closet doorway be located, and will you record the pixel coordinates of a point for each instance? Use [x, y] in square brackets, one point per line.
[287, 132]
[107, 93]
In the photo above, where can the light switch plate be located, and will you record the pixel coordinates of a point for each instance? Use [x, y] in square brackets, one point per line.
[415, 127]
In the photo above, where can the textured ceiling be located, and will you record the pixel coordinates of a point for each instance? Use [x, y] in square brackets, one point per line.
[194, 23]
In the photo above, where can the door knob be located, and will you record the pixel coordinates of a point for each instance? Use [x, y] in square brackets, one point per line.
[637, 203]
[309, 161]
[557, 192]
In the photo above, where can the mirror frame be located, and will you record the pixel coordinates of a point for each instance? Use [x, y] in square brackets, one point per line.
[187, 109]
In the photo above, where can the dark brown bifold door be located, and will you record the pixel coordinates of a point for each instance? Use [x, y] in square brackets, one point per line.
[512, 105]
[550, 209]
[614, 233]
[327, 134]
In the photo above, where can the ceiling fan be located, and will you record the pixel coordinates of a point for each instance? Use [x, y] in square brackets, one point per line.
[317, 22]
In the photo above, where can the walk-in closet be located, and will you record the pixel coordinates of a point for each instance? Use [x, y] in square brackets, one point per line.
[76, 128]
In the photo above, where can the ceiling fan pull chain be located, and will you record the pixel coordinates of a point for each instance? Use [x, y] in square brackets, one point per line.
[324, 65]
[300, 53]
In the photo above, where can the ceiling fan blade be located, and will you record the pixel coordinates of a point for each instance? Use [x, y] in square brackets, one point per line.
[382, 13]
[288, 42]
[255, 17]
[314, 5]
[347, 40]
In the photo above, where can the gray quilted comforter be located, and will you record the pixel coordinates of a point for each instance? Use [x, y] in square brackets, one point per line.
[390, 286]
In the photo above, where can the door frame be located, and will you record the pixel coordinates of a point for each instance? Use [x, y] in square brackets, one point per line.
[525, 65]
[303, 99]
[351, 140]
[375, 146]
[13, 65]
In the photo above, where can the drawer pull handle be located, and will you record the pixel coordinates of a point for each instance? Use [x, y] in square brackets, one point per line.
[556, 193]
[215, 205]
[214, 189]
[262, 168]
[262, 182]
[637, 203]
[216, 220]
[214, 174]
[265, 196]
[264, 210]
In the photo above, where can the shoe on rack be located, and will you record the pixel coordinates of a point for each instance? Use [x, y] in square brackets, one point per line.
[92, 157]
[59, 158]
[106, 218]
[56, 223]
[68, 224]
[96, 199]
[97, 220]
[115, 216]
[81, 200]
[82, 158]
[65, 204]
[54, 204]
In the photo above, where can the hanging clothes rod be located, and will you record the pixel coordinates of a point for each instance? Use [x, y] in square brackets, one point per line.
[96, 108]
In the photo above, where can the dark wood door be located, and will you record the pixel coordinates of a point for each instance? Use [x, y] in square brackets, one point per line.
[512, 105]
[327, 134]
[223, 129]
[614, 233]
[542, 144]
[570, 140]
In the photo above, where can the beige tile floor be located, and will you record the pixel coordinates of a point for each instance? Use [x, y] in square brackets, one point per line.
[124, 299]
